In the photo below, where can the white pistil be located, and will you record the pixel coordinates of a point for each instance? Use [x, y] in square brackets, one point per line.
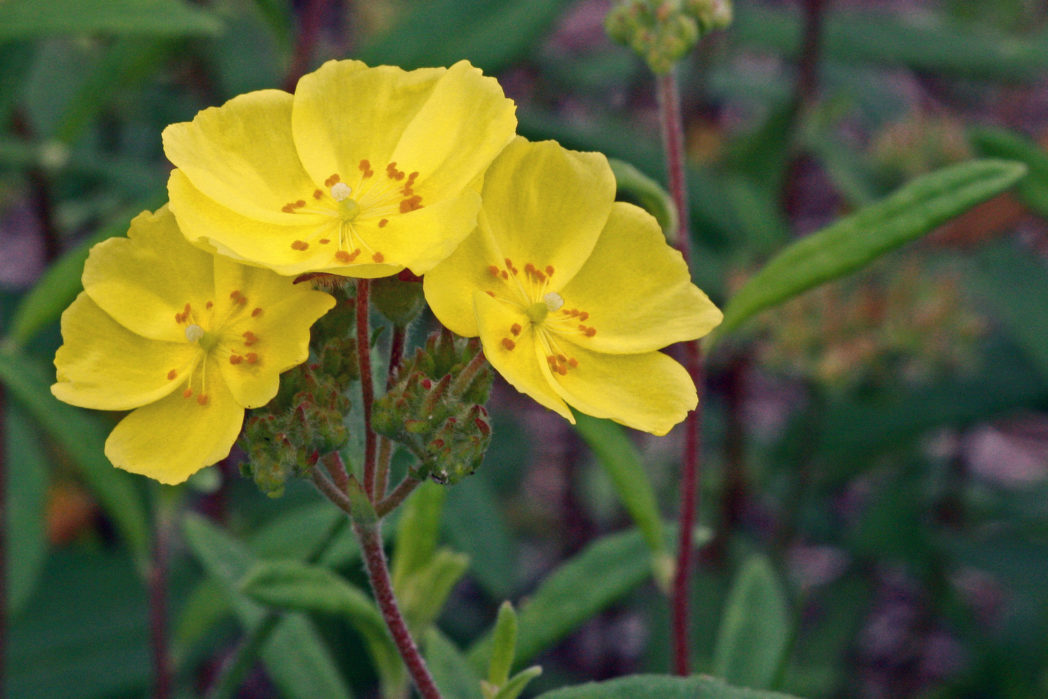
[340, 191]
[554, 301]
[194, 332]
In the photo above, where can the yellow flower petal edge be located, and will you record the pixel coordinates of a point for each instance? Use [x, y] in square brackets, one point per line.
[187, 357]
[571, 293]
[362, 172]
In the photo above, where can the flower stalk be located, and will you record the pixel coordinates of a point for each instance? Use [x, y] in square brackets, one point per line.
[367, 386]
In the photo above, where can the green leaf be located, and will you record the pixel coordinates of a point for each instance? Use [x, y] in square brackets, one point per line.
[427, 588]
[417, 532]
[451, 670]
[504, 645]
[934, 44]
[602, 573]
[28, 19]
[60, 284]
[474, 524]
[517, 683]
[754, 630]
[294, 655]
[634, 186]
[81, 436]
[659, 687]
[308, 588]
[24, 524]
[998, 143]
[1015, 284]
[855, 241]
[491, 34]
[620, 459]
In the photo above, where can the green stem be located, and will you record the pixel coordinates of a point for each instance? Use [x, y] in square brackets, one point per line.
[468, 373]
[673, 142]
[378, 573]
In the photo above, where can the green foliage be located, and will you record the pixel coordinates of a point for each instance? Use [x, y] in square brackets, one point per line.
[755, 628]
[857, 240]
[659, 687]
[23, 508]
[26, 19]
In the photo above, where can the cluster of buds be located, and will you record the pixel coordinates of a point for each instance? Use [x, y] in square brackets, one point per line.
[663, 31]
[436, 408]
[286, 437]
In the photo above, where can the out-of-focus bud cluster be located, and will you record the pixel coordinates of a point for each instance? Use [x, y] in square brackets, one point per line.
[908, 320]
[399, 298]
[436, 411]
[287, 436]
[917, 144]
[663, 31]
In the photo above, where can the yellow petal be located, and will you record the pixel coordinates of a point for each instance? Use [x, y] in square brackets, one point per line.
[242, 156]
[518, 359]
[103, 365]
[345, 112]
[174, 438]
[250, 240]
[449, 286]
[464, 123]
[546, 205]
[271, 335]
[649, 392]
[637, 289]
[144, 280]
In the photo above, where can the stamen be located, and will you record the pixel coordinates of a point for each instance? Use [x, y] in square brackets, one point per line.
[235, 359]
[549, 270]
[332, 180]
[172, 375]
[194, 332]
[508, 343]
[187, 393]
[378, 257]
[365, 167]
[202, 399]
[494, 270]
[250, 338]
[382, 223]
[340, 191]
[300, 245]
[554, 301]
[256, 313]
[251, 358]
[324, 241]
[515, 328]
[318, 193]
[410, 204]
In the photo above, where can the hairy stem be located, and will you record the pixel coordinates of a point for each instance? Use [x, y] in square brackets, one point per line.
[378, 573]
[399, 494]
[331, 492]
[367, 387]
[673, 143]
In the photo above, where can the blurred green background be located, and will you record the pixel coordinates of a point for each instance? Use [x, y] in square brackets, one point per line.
[876, 451]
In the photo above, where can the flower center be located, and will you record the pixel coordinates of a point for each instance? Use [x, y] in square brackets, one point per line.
[206, 340]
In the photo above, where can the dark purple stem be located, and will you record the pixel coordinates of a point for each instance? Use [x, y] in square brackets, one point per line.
[305, 41]
[3, 544]
[367, 387]
[673, 142]
[157, 582]
[378, 573]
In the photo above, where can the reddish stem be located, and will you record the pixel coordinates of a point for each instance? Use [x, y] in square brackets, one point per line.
[673, 143]
[157, 582]
[396, 354]
[3, 544]
[305, 41]
[399, 494]
[378, 573]
[367, 388]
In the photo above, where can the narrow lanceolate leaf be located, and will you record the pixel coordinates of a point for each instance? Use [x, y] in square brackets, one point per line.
[307, 588]
[27, 476]
[417, 532]
[295, 657]
[603, 573]
[634, 186]
[81, 436]
[29, 19]
[451, 670]
[660, 687]
[857, 240]
[998, 143]
[755, 628]
[621, 461]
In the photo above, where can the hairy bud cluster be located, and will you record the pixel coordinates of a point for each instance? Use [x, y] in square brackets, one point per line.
[287, 436]
[436, 409]
[663, 31]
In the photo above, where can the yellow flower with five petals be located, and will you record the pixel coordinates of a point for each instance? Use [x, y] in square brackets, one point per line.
[572, 293]
[362, 172]
[183, 339]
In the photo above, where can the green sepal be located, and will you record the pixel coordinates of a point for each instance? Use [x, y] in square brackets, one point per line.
[503, 646]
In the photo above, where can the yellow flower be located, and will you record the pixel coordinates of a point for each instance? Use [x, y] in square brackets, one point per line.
[184, 339]
[362, 172]
[572, 293]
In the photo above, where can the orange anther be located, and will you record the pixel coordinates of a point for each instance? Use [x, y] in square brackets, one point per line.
[332, 180]
[508, 343]
[549, 270]
[235, 359]
[490, 293]
[364, 165]
[382, 222]
[300, 203]
[256, 313]
[209, 305]
[343, 256]
[251, 357]
[242, 300]
[378, 257]
[187, 393]
[583, 315]
[515, 328]
[234, 294]
[299, 245]
[288, 209]
[504, 275]
[494, 270]
[250, 338]
[573, 363]
[202, 399]
[172, 375]
[318, 194]
[561, 358]
[410, 204]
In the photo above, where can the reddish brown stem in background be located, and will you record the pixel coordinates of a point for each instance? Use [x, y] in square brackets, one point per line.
[399, 494]
[378, 573]
[157, 582]
[311, 20]
[673, 143]
[367, 388]
[3, 544]
[396, 354]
